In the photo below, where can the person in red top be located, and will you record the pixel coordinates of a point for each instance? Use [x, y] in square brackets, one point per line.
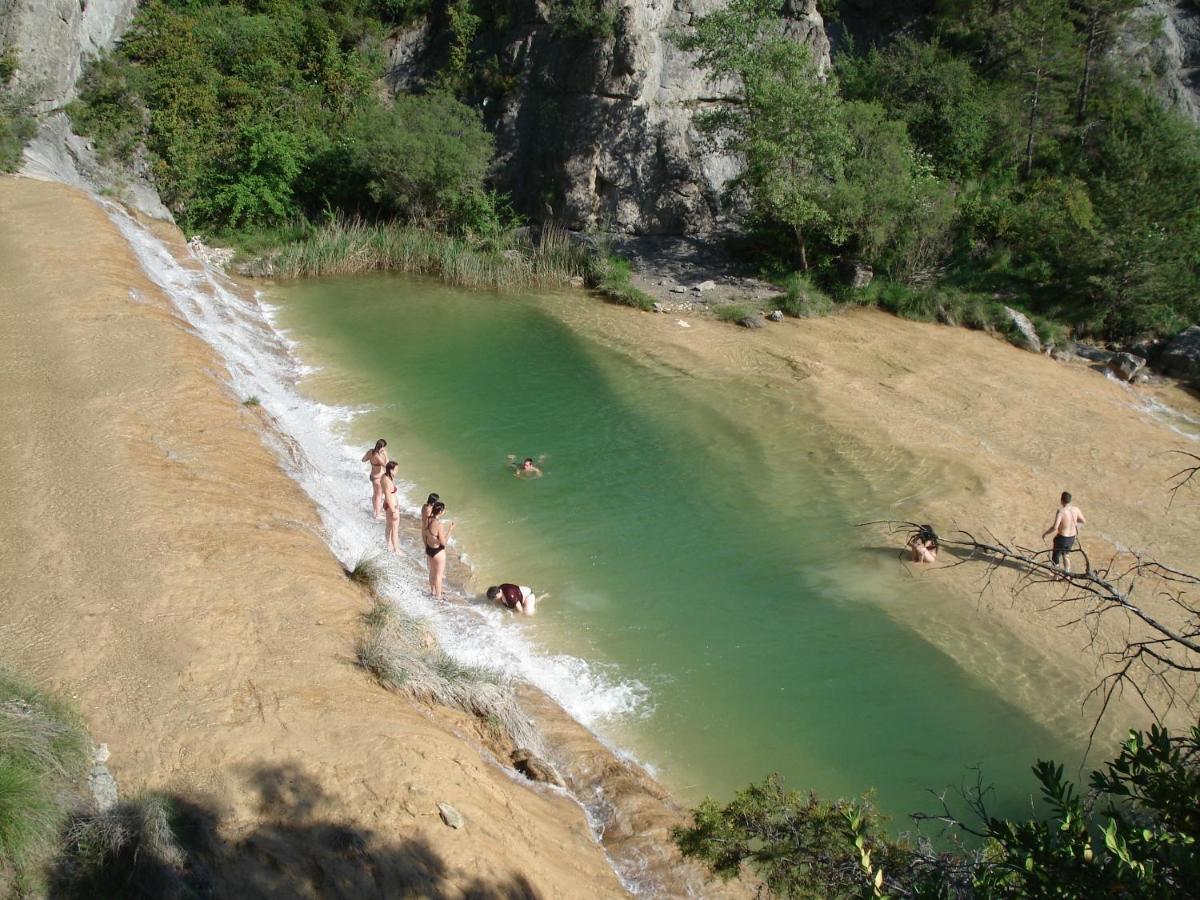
[516, 597]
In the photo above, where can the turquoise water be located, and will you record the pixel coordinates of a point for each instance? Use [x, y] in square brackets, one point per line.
[694, 537]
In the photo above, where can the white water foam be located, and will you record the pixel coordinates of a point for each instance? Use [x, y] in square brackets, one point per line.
[312, 451]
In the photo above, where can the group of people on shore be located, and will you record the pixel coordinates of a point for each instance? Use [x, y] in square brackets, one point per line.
[435, 532]
[923, 546]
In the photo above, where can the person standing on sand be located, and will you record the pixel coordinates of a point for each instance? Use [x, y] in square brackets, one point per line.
[378, 458]
[428, 508]
[435, 534]
[391, 527]
[1067, 520]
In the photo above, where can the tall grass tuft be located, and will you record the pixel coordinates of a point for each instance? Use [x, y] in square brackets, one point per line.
[370, 571]
[508, 261]
[612, 277]
[803, 299]
[735, 312]
[400, 653]
[43, 759]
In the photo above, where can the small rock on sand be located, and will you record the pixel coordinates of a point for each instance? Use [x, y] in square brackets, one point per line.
[704, 286]
[776, 315]
[451, 816]
[751, 321]
[535, 768]
[658, 307]
[678, 289]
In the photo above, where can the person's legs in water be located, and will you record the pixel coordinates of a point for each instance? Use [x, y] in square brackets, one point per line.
[437, 569]
[393, 530]
[377, 496]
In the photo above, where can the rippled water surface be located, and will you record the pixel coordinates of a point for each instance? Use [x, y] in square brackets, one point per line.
[695, 538]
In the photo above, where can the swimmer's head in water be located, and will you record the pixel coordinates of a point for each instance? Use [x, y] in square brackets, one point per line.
[928, 535]
[432, 499]
[528, 462]
[1066, 497]
[380, 444]
[390, 467]
[437, 509]
[494, 593]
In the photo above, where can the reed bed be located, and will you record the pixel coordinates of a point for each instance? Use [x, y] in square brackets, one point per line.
[510, 261]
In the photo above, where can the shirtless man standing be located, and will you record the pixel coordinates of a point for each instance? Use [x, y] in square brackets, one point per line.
[378, 458]
[1067, 520]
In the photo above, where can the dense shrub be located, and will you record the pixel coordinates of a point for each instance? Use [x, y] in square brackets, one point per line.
[17, 125]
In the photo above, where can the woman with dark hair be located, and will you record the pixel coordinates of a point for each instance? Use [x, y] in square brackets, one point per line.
[435, 534]
[387, 483]
[428, 507]
[378, 458]
[924, 545]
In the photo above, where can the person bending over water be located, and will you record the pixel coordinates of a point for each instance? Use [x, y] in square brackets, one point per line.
[378, 458]
[1067, 520]
[924, 545]
[526, 469]
[428, 507]
[435, 533]
[391, 527]
[516, 597]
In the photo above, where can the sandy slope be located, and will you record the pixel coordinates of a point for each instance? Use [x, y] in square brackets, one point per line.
[158, 567]
[968, 432]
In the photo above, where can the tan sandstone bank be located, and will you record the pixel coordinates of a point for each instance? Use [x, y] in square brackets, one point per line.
[158, 567]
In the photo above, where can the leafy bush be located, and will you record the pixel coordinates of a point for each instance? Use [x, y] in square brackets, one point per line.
[108, 108]
[424, 158]
[17, 125]
[592, 19]
[1134, 836]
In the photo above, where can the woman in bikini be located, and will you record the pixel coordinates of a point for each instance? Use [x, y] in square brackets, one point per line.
[387, 484]
[378, 458]
[436, 534]
[425, 510]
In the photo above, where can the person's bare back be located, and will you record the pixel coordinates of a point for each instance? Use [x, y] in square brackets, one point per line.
[1065, 529]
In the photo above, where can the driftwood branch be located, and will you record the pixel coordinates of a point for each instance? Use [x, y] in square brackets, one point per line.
[1158, 660]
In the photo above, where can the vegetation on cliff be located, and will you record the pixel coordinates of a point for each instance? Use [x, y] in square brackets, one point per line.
[1006, 152]
[17, 125]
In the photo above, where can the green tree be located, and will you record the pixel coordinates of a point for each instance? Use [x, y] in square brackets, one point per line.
[784, 118]
[421, 158]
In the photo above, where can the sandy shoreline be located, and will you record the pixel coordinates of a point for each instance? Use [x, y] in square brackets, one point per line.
[163, 572]
[981, 435]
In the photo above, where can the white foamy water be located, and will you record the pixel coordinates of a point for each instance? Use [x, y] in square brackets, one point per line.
[312, 450]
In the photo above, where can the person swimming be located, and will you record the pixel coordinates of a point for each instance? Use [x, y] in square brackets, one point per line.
[924, 545]
[391, 528]
[526, 468]
[435, 534]
[516, 597]
[378, 458]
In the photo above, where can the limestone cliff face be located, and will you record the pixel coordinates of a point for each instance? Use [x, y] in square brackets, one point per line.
[1164, 39]
[600, 132]
[53, 40]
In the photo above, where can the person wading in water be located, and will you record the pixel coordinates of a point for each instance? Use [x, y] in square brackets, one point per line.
[436, 534]
[387, 484]
[378, 458]
[1067, 520]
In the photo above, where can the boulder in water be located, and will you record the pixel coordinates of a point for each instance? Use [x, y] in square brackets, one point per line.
[1126, 365]
[1181, 358]
[535, 768]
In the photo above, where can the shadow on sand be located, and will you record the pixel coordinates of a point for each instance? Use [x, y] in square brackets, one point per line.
[292, 852]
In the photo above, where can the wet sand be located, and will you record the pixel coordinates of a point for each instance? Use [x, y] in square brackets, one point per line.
[161, 570]
[984, 436]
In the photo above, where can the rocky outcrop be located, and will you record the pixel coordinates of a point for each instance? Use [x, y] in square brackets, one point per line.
[1181, 358]
[1163, 37]
[1126, 366]
[1024, 332]
[599, 132]
[53, 40]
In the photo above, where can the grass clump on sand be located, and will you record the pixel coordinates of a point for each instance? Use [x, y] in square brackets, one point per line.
[506, 260]
[130, 851]
[400, 652]
[369, 571]
[735, 312]
[803, 299]
[612, 278]
[43, 760]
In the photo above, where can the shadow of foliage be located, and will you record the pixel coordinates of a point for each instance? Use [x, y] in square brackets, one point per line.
[298, 849]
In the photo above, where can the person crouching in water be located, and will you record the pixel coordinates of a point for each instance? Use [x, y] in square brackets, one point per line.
[516, 597]
[436, 534]
[924, 545]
